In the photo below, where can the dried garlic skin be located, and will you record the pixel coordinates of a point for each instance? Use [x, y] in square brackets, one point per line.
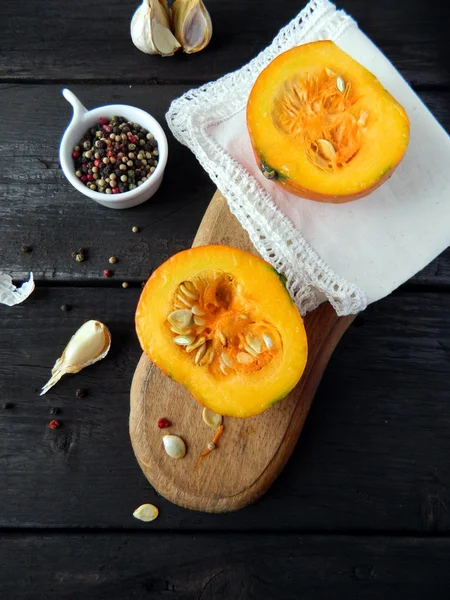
[12, 295]
[87, 346]
[192, 25]
[150, 29]
[146, 512]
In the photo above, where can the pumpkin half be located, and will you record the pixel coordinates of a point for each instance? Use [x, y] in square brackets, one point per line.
[221, 322]
[323, 127]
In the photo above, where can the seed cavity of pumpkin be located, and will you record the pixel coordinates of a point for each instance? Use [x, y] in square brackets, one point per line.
[319, 109]
[217, 336]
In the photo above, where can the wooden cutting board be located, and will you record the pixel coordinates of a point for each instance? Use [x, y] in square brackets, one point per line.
[251, 452]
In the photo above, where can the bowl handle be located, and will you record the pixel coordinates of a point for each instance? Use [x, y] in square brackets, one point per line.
[78, 108]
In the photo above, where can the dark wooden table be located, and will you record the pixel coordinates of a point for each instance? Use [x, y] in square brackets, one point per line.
[363, 508]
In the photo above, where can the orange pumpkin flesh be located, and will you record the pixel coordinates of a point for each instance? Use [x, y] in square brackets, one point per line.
[254, 350]
[323, 127]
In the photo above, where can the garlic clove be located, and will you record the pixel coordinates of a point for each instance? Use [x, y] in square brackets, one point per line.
[174, 446]
[150, 29]
[192, 25]
[88, 345]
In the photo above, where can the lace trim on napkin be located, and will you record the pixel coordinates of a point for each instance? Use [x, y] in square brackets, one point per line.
[309, 278]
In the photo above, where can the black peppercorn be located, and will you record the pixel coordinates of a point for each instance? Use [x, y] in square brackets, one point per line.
[55, 410]
[25, 249]
[7, 405]
[78, 255]
[81, 393]
[65, 307]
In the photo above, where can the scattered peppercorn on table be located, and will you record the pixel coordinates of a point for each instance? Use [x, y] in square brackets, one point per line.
[354, 512]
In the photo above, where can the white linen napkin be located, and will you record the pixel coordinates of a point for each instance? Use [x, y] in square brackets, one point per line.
[351, 254]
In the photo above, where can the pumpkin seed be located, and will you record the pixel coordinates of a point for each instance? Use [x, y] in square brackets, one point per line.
[226, 359]
[222, 338]
[174, 446]
[146, 512]
[196, 310]
[200, 354]
[268, 341]
[340, 84]
[250, 350]
[254, 343]
[190, 287]
[321, 163]
[184, 340]
[243, 358]
[326, 149]
[193, 345]
[223, 368]
[211, 418]
[199, 320]
[188, 293]
[209, 357]
[180, 318]
[181, 330]
[186, 301]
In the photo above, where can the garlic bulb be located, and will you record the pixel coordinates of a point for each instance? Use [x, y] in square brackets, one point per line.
[150, 29]
[88, 345]
[192, 25]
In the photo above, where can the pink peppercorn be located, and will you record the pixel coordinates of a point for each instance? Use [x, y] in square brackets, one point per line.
[107, 128]
[103, 120]
[83, 178]
[97, 163]
[116, 190]
[163, 423]
[90, 177]
[54, 424]
[75, 155]
[107, 273]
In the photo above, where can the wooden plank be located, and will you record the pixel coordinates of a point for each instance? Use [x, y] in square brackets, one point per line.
[374, 453]
[39, 207]
[91, 41]
[231, 567]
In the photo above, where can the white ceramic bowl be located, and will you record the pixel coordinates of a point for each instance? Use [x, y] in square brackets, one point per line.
[81, 121]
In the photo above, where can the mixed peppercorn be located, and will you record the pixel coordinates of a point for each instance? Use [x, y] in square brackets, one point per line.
[115, 156]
